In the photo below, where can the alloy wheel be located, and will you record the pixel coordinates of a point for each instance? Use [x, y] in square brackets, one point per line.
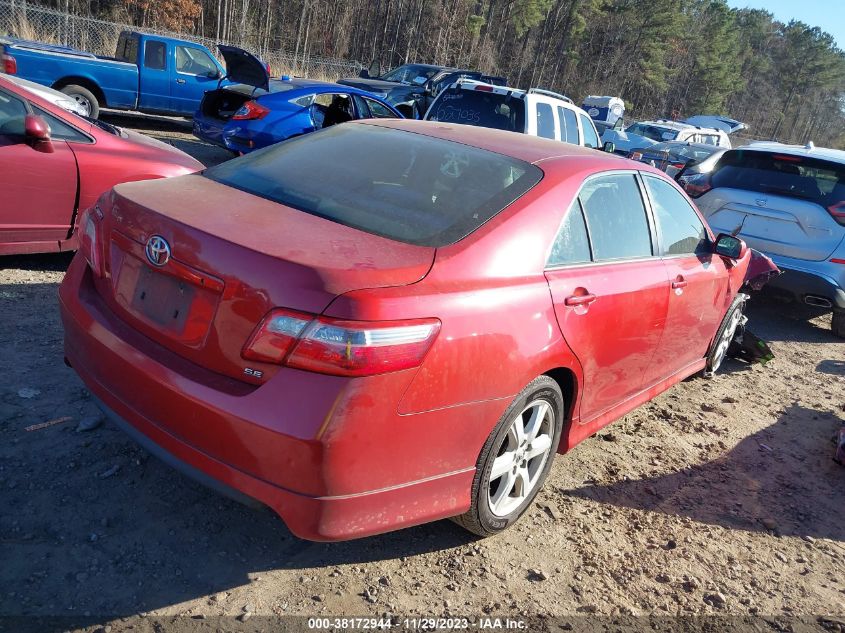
[726, 339]
[520, 458]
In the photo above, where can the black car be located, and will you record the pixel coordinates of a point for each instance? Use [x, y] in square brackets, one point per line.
[411, 88]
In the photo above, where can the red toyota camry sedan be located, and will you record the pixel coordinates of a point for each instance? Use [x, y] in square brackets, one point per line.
[391, 322]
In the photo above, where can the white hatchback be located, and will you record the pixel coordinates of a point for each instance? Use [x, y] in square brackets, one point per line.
[535, 112]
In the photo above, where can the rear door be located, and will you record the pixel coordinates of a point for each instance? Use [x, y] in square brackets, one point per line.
[697, 280]
[154, 73]
[39, 187]
[610, 290]
[192, 73]
[568, 125]
[780, 204]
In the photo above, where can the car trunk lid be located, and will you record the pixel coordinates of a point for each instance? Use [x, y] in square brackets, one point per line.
[244, 68]
[195, 265]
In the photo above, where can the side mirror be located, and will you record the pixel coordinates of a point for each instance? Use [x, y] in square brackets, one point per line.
[214, 74]
[375, 68]
[37, 133]
[730, 246]
[609, 147]
[364, 74]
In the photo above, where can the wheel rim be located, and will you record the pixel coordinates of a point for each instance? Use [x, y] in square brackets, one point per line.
[84, 103]
[725, 342]
[520, 458]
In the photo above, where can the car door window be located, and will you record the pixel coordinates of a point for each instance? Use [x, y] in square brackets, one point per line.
[590, 137]
[194, 61]
[616, 217]
[12, 115]
[568, 125]
[680, 229]
[572, 245]
[545, 121]
[378, 111]
[155, 55]
[59, 130]
[330, 109]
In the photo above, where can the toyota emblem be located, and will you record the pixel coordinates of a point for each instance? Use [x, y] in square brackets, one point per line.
[157, 250]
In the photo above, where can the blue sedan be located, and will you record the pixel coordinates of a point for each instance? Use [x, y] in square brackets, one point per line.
[243, 117]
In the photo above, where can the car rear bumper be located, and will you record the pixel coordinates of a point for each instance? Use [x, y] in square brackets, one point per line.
[807, 279]
[324, 482]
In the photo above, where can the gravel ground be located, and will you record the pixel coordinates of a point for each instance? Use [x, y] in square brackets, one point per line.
[719, 497]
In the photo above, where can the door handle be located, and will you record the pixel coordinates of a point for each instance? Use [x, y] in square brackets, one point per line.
[180, 81]
[679, 283]
[579, 300]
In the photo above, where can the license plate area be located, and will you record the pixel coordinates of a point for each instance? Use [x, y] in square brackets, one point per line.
[164, 300]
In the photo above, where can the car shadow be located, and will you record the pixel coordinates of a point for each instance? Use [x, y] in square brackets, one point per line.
[782, 479]
[833, 367]
[55, 262]
[775, 320]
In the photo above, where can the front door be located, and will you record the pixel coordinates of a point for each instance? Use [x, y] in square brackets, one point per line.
[193, 73]
[697, 279]
[39, 187]
[610, 291]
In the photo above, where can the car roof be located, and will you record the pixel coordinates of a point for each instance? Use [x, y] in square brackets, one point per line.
[808, 150]
[531, 149]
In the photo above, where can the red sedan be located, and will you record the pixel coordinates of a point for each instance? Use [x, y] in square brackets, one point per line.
[391, 322]
[54, 164]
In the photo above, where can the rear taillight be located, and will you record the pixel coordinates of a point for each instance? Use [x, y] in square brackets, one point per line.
[695, 184]
[484, 88]
[90, 241]
[249, 111]
[10, 64]
[837, 211]
[341, 348]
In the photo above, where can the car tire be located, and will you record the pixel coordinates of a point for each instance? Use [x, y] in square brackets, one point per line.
[85, 98]
[724, 336]
[498, 501]
[837, 324]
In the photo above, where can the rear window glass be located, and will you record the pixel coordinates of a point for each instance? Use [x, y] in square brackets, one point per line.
[400, 185]
[482, 109]
[801, 177]
[653, 132]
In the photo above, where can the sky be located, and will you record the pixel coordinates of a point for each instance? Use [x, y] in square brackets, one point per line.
[827, 14]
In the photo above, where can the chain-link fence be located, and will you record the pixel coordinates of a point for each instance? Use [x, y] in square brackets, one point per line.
[24, 20]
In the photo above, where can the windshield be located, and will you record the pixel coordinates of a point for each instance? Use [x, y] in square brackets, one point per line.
[802, 177]
[482, 109]
[411, 74]
[400, 185]
[106, 127]
[681, 151]
[653, 132]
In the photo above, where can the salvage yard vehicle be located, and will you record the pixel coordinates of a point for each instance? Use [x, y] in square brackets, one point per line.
[676, 156]
[787, 201]
[338, 352]
[148, 73]
[535, 112]
[411, 88]
[56, 163]
[53, 96]
[646, 133]
[259, 111]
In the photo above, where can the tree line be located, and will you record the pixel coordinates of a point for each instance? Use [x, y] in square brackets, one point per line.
[663, 57]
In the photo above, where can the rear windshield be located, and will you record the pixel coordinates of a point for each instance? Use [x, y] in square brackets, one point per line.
[682, 151]
[801, 177]
[483, 109]
[397, 184]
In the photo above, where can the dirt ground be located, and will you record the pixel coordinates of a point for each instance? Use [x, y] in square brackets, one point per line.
[719, 497]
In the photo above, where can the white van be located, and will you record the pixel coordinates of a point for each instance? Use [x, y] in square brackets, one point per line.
[536, 112]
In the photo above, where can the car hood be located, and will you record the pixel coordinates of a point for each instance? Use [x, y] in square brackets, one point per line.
[161, 151]
[243, 67]
[723, 123]
[376, 86]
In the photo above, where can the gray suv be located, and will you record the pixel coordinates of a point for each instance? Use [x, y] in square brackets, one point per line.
[789, 202]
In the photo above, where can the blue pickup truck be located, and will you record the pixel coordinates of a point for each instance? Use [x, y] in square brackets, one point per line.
[147, 73]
